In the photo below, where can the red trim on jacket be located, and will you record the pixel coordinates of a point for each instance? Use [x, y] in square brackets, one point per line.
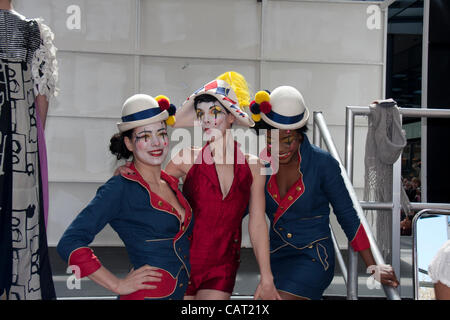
[360, 241]
[294, 192]
[85, 260]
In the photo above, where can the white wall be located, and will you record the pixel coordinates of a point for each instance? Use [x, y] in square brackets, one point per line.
[172, 47]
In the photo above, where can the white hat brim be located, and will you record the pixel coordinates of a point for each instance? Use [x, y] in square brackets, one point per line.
[292, 126]
[125, 126]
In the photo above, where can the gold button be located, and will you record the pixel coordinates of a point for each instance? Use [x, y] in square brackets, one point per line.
[181, 285]
[182, 228]
[280, 228]
[290, 198]
[190, 282]
[274, 195]
[160, 203]
[289, 235]
[298, 188]
[173, 209]
[313, 259]
[310, 246]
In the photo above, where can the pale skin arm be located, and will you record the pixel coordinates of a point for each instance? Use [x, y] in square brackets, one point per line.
[133, 282]
[441, 291]
[259, 236]
[42, 108]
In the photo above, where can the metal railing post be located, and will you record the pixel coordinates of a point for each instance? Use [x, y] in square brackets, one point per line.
[317, 140]
[396, 213]
[352, 287]
[390, 292]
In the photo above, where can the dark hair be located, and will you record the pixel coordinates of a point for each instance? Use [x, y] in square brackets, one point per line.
[260, 125]
[117, 145]
[207, 98]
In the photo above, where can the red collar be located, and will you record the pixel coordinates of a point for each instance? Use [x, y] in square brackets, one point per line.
[294, 192]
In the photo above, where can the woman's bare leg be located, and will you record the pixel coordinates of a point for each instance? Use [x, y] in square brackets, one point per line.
[209, 294]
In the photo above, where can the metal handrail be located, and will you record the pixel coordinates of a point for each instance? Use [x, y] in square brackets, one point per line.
[351, 112]
[391, 292]
[414, 233]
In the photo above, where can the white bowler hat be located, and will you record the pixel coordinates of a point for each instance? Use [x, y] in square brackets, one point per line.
[284, 108]
[139, 110]
[224, 93]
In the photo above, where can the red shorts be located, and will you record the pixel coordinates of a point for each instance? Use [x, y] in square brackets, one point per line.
[222, 278]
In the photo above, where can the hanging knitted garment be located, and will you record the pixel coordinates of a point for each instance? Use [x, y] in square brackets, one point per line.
[384, 144]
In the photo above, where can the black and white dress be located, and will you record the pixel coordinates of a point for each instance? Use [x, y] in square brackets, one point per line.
[27, 68]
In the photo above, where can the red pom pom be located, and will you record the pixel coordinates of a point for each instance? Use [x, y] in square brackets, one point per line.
[265, 107]
[164, 104]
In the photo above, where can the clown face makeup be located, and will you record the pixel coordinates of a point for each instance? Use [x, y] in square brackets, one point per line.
[149, 143]
[289, 143]
[214, 119]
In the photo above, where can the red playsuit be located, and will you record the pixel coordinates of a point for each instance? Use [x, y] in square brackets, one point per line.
[216, 237]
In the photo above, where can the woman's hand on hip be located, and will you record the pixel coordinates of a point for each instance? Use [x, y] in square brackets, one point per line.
[138, 280]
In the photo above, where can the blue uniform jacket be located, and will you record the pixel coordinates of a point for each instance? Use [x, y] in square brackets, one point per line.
[301, 218]
[150, 227]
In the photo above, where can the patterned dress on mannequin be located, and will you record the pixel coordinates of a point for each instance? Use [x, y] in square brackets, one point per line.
[27, 68]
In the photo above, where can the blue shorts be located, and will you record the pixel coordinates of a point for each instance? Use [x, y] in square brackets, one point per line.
[304, 272]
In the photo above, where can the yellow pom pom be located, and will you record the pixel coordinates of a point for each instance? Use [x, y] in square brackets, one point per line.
[171, 121]
[162, 97]
[261, 96]
[239, 86]
[256, 117]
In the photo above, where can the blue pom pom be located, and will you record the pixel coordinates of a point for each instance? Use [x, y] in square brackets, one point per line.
[172, 110]
[254, 108]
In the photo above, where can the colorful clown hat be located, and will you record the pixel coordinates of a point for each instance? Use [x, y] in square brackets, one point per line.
[224, 93]
[142, 109]
[284, 108]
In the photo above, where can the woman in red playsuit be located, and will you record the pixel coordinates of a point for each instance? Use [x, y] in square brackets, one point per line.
[219, 183]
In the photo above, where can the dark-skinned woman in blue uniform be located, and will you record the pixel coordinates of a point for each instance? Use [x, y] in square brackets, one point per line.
[305, 180]
[144, 207]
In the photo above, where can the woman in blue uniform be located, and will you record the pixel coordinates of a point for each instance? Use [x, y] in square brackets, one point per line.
[305, 181]
[144, 207]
